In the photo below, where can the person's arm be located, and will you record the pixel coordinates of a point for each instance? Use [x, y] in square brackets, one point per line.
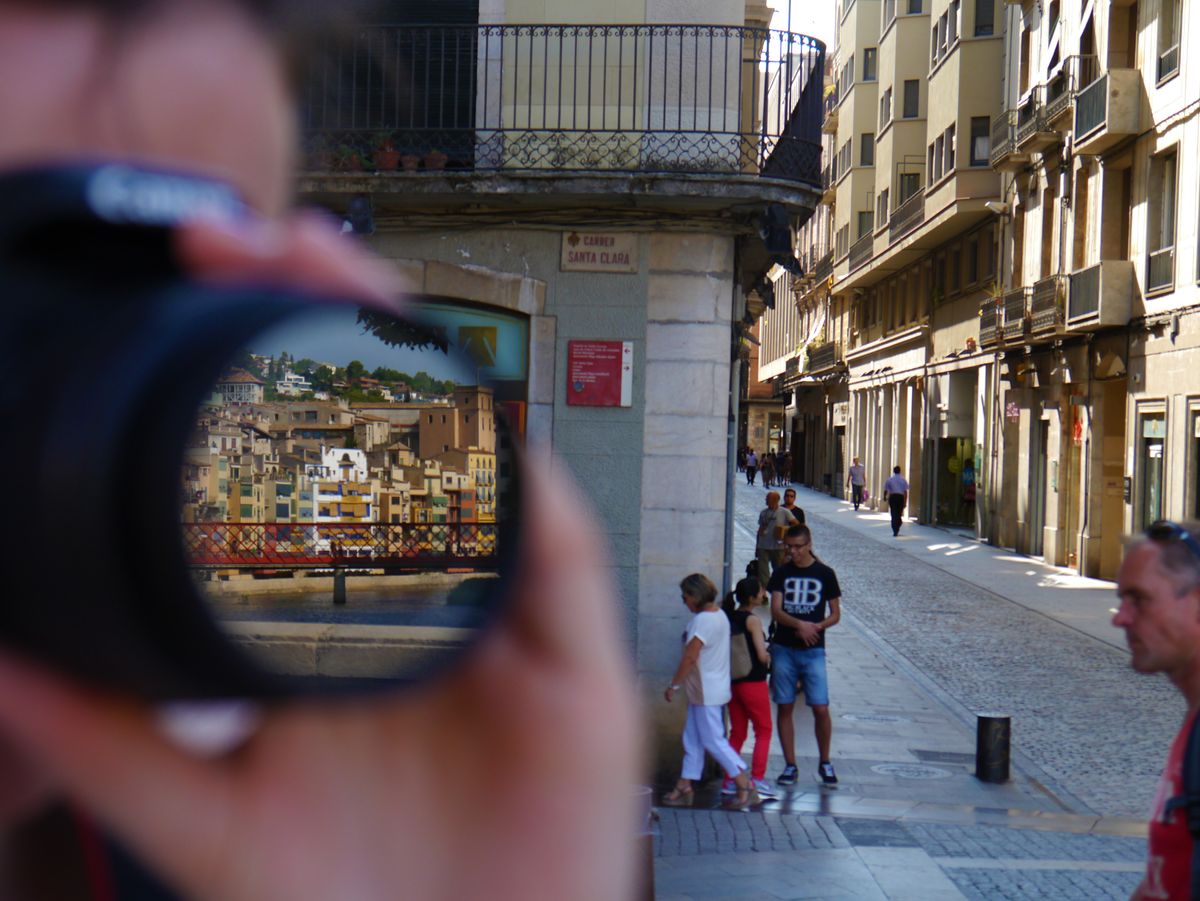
[784, 619]
[834, 617]
[691, 657]
[754, 627]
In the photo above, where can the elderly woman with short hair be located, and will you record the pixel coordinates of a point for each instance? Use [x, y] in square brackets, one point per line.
[703, 672]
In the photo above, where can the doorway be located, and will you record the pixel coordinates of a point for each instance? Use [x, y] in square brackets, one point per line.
[1037, 487]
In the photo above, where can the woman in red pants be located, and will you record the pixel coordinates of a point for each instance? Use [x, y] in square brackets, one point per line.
[750, 702]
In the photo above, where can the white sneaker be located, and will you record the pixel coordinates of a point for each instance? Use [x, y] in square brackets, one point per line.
[764, 788]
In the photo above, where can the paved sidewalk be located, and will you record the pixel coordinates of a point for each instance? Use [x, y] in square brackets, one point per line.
[908, 819]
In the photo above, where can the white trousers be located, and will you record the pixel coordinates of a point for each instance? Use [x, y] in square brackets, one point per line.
[705, 731]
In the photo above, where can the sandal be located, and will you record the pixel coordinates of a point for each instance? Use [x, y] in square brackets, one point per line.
[678, 796]
[744, 797]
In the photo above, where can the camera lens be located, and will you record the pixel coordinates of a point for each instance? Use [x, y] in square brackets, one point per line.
[348, 493]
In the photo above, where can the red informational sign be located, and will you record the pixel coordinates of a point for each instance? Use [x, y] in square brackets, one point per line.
[600, 373]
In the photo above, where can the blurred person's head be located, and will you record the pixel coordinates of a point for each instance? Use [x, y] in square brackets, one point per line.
[1159, 590]
[200, 86]
[772, 499]
[748, 591]
[698, 591]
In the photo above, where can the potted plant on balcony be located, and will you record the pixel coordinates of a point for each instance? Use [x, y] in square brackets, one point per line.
[410, 161]
[435, 160]
[347, 158]
[385, 156]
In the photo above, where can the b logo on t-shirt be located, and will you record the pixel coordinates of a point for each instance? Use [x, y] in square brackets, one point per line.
[801, 595]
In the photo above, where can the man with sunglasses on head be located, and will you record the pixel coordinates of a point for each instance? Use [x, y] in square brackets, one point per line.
[805, 601]
[1159, 590]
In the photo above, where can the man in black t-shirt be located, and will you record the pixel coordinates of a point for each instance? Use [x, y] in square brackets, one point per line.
[805, 601]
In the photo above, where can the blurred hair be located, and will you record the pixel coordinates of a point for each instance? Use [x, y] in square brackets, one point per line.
[800, 532]
[700, 587]
[1179, 561]
[747, 589]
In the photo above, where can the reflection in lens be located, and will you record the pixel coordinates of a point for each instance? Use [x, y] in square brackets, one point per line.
[349, 489]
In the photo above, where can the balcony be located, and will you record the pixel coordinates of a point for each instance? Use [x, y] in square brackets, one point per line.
[860, 251]
[829, 121]
[1108, 110]
[823, 357]
[1047, 305]
[907, 216]
[989, 322]
[1015, 303]
[1034, 133]
[1100, 295]
[828, 185]
[1004, 155]
[416, 101]
[1063, 86]
[824, 267]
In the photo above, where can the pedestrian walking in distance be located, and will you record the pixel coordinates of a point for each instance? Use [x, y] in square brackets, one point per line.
[750, 704]
[1159, 590]
[703, 672]
[751, 466]
[895, 489]
[806, 600]
[789, 504]
[768, 469]
[857, 480]
[773, 523]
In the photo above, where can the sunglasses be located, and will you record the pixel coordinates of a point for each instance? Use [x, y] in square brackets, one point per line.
[1166, 531]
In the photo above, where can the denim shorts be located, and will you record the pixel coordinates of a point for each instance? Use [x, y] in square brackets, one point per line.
[792, 665]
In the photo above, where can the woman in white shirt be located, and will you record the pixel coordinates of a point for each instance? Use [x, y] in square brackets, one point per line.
[703, 673]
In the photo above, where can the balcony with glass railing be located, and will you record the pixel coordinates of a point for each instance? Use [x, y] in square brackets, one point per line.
[907, 216]
[430, 101]
[860, 251]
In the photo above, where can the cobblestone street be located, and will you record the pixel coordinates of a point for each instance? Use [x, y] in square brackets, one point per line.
[1079, 712]
[938, 628]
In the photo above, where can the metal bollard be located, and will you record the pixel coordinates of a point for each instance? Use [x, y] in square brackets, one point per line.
[339, 586]
[992, 743]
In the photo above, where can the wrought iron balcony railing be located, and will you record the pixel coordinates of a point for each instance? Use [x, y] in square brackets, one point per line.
[577, 98]
[826, 356]
[989, 322]
[1004, 136]
[1015, 304]
[1047, 304]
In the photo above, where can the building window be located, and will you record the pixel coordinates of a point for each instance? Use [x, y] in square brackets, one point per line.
[912, 99]
[985, 17]
[1152, 440]
[881, 207]
[885, 109]
[954, 15]
[914, 7]
[1160, 223]
[981, 139]
[1168, 38]
[972, 256]
[889, 12]
[910, 184]
[1193, 506]
[949, 149]
[937, 152]
[870, 63]
[866, 155]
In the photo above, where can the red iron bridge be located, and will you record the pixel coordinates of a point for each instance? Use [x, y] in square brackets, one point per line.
[387, 546]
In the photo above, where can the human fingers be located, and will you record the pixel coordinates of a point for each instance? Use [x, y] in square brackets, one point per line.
[305, 252]
[108, 755]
